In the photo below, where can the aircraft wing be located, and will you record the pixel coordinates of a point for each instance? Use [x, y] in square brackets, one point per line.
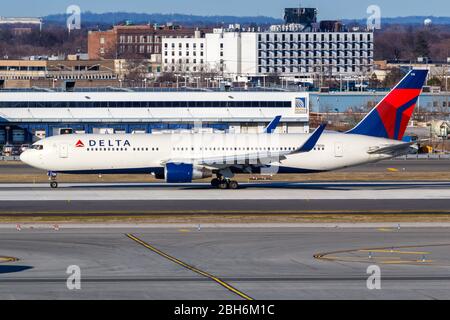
[261, 158]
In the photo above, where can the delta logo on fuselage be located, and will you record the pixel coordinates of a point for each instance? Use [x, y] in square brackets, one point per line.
[105, 143]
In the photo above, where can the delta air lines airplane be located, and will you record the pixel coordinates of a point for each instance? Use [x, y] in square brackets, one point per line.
[184, 157]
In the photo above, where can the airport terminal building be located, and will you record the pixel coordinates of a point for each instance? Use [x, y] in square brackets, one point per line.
[30, 115]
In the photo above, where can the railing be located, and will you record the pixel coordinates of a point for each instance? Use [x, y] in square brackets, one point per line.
[427, 156]
[162, 89]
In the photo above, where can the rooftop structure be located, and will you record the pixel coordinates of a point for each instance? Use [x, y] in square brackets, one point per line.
[26, 116]
[21, 22]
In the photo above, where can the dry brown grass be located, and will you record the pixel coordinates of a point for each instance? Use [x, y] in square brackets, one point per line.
[328, 176]
[238, 219]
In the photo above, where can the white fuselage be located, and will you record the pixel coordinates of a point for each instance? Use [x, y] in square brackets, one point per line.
[89, 153]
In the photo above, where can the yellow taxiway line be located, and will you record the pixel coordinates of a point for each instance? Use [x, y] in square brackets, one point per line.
[189, 267]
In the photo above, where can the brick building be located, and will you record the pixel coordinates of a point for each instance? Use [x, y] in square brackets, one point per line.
[140, 41]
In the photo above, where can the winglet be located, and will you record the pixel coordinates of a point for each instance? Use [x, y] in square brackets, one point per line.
[272, 125]
[312, 140]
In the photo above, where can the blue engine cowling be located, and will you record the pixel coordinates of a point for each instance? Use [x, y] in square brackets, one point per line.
[184, 172]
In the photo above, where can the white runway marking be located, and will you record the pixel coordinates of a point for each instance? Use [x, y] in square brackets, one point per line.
[275, 191]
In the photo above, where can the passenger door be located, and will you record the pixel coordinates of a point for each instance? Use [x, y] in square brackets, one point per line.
[63, 150]
[338, 149]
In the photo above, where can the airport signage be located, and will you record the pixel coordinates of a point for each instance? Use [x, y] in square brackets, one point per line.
[300, 106]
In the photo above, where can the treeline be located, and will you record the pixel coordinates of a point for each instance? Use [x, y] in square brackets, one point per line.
[409, 42]
[391, 43]
[52, 40]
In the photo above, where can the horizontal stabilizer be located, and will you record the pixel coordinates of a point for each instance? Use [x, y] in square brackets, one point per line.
[395, 149]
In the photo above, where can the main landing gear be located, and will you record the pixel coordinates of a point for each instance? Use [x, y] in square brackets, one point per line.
[223, 183]
[52, 178]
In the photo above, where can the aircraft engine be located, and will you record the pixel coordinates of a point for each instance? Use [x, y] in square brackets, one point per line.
[184, 172]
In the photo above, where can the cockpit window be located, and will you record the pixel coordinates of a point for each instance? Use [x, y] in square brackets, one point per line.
[37, 147]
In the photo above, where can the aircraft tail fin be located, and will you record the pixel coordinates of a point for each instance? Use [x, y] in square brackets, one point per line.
[272, 125]
[390, 117]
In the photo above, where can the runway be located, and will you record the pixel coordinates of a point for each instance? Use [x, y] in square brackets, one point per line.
[127, 199]
[226, 263]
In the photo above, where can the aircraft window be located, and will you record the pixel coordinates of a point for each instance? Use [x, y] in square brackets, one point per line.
[153, 149]
[157, 149]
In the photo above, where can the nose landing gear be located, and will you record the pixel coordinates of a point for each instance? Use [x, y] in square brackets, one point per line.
[52, 178]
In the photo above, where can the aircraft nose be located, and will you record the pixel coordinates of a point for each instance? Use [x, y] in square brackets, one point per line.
[26, 157]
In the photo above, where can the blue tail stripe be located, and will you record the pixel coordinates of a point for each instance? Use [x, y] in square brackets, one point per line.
[399, 118]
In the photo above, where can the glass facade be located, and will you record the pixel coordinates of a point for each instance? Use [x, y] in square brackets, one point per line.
[145, 104]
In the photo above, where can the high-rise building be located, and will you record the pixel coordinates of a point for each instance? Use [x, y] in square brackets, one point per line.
[280, 50]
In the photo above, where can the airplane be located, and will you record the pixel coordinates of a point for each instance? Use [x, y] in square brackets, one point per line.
[184, 157]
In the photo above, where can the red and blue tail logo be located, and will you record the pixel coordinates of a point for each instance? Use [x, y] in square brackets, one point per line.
[390, 117]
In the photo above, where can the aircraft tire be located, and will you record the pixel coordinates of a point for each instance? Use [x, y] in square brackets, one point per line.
[233, 185]
[223, 185]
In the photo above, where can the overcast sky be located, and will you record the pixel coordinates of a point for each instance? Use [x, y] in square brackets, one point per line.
[328, 9]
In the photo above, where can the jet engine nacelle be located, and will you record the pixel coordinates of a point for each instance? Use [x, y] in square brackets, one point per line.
[184, 172]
